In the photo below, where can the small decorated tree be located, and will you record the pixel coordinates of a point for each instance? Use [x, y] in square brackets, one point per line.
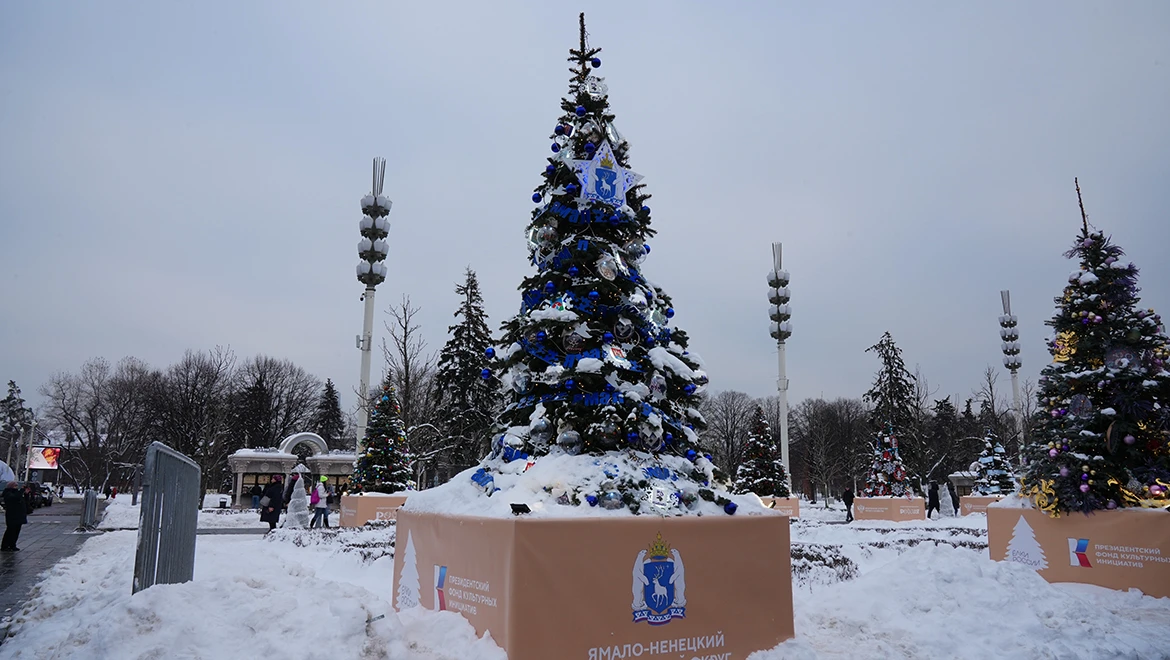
[994, 472]
[1105, 399]
[762, 471]
[383, 465]
[887, 476]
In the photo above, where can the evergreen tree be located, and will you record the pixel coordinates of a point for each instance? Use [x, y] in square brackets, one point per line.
[252, 414]
[467, 402]
[14, 416]
[328, 422]
[887, 475]
[892, 394]
[762, 471]
[383, 465]
[1102, 442]
[592, 363]
[994, 472]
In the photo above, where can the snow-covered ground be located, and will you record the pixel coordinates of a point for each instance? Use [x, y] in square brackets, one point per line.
[864, 590]
[120, 514]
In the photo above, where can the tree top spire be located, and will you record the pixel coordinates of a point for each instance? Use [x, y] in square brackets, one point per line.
[1084, 218]
[581, 55]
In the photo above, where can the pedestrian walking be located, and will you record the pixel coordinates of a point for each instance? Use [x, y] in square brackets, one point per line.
[272, 501]
[847, 498]
[932, 499]
[320, 501]
[256, 492]
[15, 515]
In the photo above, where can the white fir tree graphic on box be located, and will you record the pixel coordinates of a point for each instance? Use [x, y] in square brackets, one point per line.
[408, 584]
[1023, 547]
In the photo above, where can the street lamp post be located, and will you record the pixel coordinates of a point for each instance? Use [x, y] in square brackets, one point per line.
[32, 437]
[372, 250]
[781, 330]
[1011, 359]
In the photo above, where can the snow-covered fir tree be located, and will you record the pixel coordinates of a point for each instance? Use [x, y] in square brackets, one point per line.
[14, 416]
[992, 468]
[466, 402]
[328, 422]
[762, 471]
[383, 465]
[887, 475]
[1105, 398]
[592, 363]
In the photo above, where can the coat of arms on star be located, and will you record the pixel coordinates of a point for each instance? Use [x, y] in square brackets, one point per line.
[603, 179]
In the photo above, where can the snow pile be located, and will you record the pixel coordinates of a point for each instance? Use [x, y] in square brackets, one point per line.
[941, 602]
[249, 599]
[548, 487]
[120, 514]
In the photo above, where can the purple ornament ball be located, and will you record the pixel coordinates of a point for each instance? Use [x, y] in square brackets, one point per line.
[1052, 453]
[1111, 505]
[1064, 472]
[1084, 488]
[1129, 439]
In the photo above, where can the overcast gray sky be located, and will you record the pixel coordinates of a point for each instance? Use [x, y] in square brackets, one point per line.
[182, 175]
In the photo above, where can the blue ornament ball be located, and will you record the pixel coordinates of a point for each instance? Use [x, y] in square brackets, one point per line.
[646, 209]
[536, 197]
[540, 336]
[560, 129]
[607, 338]
[690, 388]
[669, 312]
[550, 169]
[593, 295]
[595, 62]
[615, 219]
[573, 271]
[555, 147]
[580, 111]
[590, 147]
[707, 456]
[571, 188]
[486, 374]
[489, 352]
[691, 454]
[647, 248]
[649, 341]
[550, 286]
[385, 398]
[632, 436]
[730, 508]
[669, 437]
[569, 384]
[591, 499]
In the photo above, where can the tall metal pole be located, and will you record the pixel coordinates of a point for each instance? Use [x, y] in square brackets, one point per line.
[32, 436]
[781, 329]
[372, 250]
[1011, 359]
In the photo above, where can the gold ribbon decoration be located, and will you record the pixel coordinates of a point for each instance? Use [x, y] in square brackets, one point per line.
[1064, 346]
[1043, 495]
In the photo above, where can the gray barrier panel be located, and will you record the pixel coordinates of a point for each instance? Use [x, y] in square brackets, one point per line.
[169, 516]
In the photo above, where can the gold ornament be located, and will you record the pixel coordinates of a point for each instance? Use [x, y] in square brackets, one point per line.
[1065, 346]
[1045, 497]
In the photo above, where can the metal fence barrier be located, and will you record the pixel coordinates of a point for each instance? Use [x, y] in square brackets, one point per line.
[169, 516]
[88, 511]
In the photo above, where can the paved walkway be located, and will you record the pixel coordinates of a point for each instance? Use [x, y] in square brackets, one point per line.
[46, 539]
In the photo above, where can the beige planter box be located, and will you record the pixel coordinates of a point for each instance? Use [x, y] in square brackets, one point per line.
[1121, 549]
[969, 504]
[785, 506]
[357, 510]
[896, 509]
[613, 587]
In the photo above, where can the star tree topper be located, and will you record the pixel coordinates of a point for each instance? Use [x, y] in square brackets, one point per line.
[603, 180]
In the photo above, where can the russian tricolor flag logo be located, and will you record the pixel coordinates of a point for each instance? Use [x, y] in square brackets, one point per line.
[440, 581]
[1077, 556]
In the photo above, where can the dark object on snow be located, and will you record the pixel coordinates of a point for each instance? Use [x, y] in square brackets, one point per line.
[847, 498]
[932, 499]
[15, 515]
[270, 511]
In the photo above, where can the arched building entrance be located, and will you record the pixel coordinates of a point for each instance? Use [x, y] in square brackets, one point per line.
[256, 466]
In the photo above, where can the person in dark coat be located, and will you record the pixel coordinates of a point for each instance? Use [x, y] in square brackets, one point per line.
[270, 511]
[932, 499]
[847, 498]
[257, 492]
[15, 515]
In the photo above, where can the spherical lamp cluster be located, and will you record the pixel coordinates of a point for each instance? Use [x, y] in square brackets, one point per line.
[372, 249]
[779, 312]
[1011, 345]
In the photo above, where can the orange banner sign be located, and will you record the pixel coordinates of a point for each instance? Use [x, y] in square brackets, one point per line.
[969, 504]
[895, 509]
[357, 510]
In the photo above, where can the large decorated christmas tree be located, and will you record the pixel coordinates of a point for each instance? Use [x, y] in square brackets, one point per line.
[383, 465]
[762, 471]
[887, 476]
[591, 364]
[1102, 438]
[992, 469]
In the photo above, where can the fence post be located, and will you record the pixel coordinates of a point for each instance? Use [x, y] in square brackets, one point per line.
[169, 514]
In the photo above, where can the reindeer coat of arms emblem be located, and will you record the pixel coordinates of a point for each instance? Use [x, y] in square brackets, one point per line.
[659, 587]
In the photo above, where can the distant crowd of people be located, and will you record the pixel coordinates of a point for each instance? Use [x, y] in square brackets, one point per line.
[932, 500]
[276, 497]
